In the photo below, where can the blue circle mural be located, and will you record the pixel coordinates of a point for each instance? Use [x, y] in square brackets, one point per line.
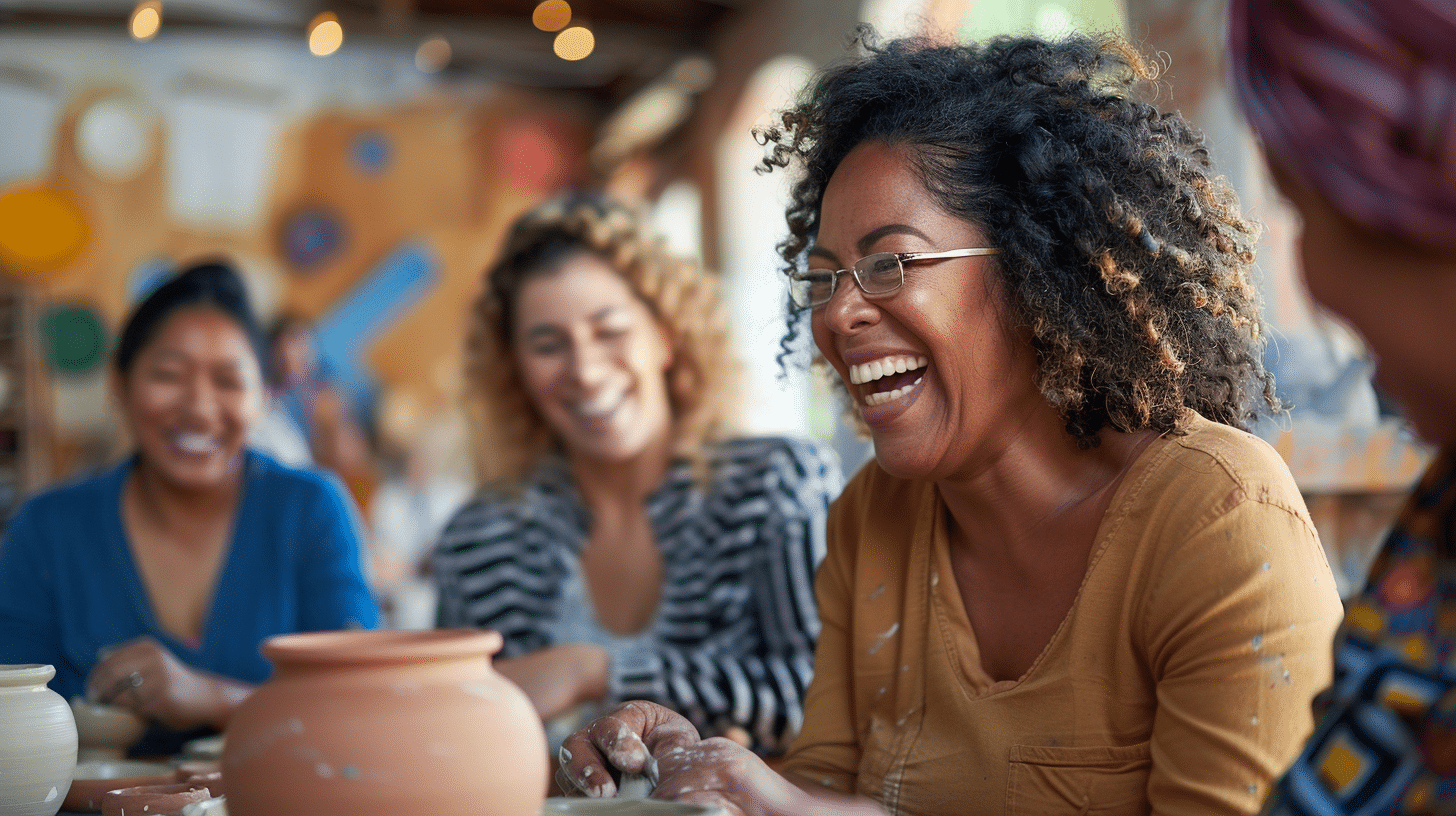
[372, 152]
[311, 236]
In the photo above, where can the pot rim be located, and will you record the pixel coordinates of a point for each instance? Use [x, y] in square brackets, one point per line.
[26, 674]
[373, 646]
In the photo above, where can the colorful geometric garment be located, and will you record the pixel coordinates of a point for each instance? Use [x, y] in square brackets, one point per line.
[1386, 738]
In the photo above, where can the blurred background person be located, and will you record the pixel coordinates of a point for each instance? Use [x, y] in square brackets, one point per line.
[625, 544]
[303, 392]
[426, 482]
[280, 429]
[1356, 105]
[152, 585]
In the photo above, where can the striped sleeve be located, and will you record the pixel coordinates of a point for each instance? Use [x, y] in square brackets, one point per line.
[741, 621]
[494, 570]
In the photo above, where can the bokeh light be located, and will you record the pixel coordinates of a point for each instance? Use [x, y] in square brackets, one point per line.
[533, 155]
[433, 55]
[574, 43]
[146, 276]
[551, 15]
[146, 19]
[325, 34]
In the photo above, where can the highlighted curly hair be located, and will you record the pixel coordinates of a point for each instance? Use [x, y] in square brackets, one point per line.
[1123, 254]
[511, 435]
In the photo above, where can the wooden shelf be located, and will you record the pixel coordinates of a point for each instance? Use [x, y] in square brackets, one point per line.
[23, 390]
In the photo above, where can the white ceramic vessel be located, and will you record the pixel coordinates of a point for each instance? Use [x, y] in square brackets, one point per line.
[37, 742]
[105, 731]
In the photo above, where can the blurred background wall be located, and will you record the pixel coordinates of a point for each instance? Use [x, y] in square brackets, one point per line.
[359, 160]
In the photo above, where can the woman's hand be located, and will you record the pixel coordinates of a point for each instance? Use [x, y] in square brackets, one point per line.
[625, 739]
[557, 678]
[650, 740]
[144, 676]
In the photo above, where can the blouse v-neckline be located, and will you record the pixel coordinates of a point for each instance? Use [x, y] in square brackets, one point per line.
[141, 599]
[948, 609]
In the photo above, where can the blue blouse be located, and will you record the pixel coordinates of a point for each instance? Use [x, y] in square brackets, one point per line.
[70, 588]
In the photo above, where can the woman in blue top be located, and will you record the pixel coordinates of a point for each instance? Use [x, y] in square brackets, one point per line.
[152, 585]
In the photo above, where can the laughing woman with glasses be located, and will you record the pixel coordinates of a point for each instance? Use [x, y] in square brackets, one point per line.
[1070, 582]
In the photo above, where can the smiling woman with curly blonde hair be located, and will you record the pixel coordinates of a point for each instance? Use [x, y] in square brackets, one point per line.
[624, 544]
[513, 435]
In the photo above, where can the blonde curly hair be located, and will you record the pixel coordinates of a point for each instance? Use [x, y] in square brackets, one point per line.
[511, 436]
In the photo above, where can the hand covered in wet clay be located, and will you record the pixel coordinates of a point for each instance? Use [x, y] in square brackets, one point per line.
[647, 739]
[144, 676]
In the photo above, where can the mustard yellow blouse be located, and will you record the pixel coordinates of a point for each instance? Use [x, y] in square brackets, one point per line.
[1179, 682]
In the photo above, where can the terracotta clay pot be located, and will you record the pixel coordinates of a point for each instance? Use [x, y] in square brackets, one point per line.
[202, 772]
[37, 742]
[369, 723]
[94, 778]
[152, 800]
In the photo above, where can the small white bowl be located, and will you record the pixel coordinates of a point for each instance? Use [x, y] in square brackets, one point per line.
[105, 731]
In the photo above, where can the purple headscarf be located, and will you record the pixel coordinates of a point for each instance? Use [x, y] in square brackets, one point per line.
[1357, 98]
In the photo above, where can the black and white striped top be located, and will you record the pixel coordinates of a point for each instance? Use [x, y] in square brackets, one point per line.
[732, 641]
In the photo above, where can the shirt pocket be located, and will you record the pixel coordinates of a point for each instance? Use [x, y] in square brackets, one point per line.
[1084, 780]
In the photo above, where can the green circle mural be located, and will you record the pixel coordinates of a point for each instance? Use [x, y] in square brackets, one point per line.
[73, 338]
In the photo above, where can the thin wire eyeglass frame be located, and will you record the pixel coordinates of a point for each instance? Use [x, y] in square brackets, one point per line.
[801, 282]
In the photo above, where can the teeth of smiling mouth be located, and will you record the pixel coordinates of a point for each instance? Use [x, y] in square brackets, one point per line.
[886, 396]
[600, 406]
[875, 369]
[195, 443]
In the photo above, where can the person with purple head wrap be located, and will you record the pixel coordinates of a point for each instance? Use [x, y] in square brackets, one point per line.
[1356, 105]
[1357, 100]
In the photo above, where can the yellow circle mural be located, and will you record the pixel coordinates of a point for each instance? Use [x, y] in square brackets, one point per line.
[41, 230]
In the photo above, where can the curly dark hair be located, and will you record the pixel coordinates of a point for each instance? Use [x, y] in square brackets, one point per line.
[1123, 254]
[511, 435]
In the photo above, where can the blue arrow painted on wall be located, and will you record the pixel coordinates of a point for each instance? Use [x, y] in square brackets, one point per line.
[347, 332]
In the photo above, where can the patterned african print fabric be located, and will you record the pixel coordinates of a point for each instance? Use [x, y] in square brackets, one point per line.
[1386, 740]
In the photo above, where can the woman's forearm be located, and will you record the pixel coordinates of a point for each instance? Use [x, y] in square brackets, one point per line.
[227, 694]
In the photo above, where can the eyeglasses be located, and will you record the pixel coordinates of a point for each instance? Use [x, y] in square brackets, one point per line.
[877, 274]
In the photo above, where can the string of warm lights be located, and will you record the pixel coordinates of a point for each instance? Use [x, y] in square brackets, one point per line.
[574, 43]
[326, 33]
[146, 20]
